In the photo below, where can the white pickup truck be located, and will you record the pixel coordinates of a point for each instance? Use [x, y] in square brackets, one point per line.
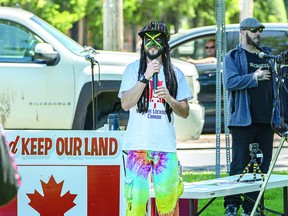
[45, 80]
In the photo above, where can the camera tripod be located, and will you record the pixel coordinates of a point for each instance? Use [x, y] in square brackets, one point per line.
[273, 162]
[254, 164]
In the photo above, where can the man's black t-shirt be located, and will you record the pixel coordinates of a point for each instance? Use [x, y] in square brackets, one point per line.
[261, 97]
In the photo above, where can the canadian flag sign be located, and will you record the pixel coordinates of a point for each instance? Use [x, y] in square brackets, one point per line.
[67, 173]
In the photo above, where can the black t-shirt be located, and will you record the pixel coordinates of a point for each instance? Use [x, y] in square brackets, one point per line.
[261, 97]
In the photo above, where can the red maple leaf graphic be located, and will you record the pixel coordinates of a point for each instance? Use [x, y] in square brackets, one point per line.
[51, 203]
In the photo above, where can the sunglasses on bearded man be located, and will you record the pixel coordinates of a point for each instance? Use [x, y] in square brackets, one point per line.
[254, 30]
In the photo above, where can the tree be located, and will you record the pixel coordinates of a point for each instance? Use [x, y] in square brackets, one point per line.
[177, 14]
[65, 15]
[270, 11]
[61, 14]
[113, 25]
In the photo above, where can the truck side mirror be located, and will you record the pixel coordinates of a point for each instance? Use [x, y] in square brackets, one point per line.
[45, 52]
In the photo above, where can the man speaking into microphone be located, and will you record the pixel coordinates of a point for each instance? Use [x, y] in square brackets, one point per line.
[153, 90]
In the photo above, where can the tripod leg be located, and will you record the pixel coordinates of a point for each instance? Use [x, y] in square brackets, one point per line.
[255, 166]
[261, 174]
[258, 170]
[246, 170]
[273, 162]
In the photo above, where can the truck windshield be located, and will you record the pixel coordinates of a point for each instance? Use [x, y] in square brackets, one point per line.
[69, 43]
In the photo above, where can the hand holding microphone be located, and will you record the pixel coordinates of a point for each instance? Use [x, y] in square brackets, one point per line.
[154, 68]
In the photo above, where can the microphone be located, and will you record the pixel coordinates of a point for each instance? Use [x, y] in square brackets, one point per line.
[155, 80]
[264, 55]
[90, 58]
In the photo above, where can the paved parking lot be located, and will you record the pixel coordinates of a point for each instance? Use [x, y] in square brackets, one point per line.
[200, 155]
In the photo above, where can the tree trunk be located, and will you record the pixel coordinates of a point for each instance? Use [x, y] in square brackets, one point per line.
[246, 9]
[113, 25]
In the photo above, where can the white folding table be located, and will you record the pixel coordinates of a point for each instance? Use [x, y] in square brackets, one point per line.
[220, 187]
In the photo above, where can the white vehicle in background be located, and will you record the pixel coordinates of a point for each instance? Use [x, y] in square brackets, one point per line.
[46, 82]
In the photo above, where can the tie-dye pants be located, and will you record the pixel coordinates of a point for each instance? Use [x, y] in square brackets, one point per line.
[168, 186]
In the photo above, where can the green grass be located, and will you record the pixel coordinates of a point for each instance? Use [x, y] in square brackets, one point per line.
[273, 198]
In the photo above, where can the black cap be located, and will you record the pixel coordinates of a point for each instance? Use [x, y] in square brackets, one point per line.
[250, 23]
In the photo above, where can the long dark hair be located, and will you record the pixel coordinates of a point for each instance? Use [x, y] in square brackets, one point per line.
[170, 79]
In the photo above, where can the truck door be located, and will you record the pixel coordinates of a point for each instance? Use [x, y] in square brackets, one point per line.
[32, 94]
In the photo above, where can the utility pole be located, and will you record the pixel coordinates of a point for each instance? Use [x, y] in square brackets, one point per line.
[113, 25]
[246, 9]
[220, 52]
